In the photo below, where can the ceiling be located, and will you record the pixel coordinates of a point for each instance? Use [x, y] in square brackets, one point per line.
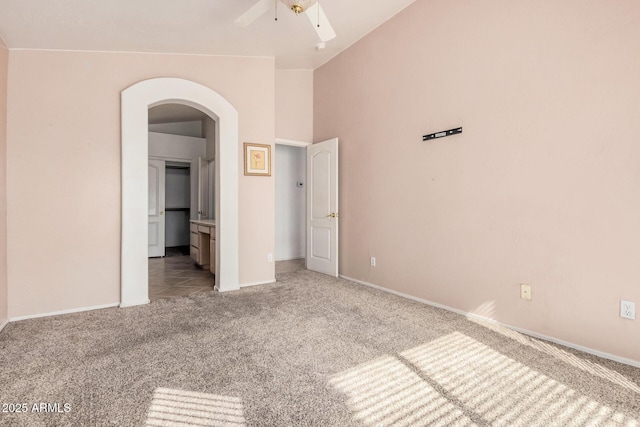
[188, 27]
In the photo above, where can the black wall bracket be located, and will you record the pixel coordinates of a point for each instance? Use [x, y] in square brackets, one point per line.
[442, 134]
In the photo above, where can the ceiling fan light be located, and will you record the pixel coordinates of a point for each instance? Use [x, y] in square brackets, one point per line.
[299, 6]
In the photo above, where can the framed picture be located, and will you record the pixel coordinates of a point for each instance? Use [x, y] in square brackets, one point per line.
[257, 159]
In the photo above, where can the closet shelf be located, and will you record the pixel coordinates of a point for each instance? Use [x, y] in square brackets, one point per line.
[176, 209]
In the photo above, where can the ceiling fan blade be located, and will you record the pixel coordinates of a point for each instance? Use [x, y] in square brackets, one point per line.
[255, 12]
[325, 30]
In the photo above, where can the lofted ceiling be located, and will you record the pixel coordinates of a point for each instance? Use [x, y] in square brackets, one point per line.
[188, 27]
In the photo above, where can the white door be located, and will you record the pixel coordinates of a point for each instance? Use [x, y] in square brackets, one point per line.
[322, 207]
[156, 207]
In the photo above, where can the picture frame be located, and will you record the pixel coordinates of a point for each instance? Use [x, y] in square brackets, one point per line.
[257, 159]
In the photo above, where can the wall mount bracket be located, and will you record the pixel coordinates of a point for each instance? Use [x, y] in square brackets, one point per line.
[442, 134]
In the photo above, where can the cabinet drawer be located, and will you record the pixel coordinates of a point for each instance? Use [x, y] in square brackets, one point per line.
[195, 240]
[195, 253]
[193, 228]
[203, 229]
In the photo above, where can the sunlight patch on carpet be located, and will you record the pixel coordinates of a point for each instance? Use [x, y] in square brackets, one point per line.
[179, 408]
[387, 392]
[456, 380]
[563, 355]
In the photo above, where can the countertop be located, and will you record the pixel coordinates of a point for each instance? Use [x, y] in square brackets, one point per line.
[209, 222]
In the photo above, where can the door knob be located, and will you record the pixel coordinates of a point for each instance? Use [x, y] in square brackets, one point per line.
[333, 215]
[161, 212]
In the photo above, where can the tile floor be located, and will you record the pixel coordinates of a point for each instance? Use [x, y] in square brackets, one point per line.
[176, 251]
[178, 276]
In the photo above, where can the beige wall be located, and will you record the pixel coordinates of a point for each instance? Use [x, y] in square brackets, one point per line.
[4, 65]
[64, 169]
[541, 188]
[294, 105]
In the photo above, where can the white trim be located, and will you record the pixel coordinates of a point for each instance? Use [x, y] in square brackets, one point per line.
[171, 159]
[57, 313]
[5, 323]
[134, 305]
[291, 258]
[292, 142]
[584, 349]
[136, 101]
[598, 353]
[268, 282]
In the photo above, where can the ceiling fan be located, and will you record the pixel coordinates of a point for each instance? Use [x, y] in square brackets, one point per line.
[311, 8]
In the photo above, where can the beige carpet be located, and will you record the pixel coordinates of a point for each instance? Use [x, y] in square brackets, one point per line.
[308, 350]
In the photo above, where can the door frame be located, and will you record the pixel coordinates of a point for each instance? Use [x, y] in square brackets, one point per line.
[135, 103]
[297, 144]
[306, 145]
[292, 143]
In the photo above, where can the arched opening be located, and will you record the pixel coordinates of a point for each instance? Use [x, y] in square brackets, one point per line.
[136, 100]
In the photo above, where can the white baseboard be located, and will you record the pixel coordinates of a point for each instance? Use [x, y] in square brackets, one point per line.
[598, 353]
[246, 285]
[134, 305]
[56, 313]
[291, 258]
[217, 288]
[3, 324]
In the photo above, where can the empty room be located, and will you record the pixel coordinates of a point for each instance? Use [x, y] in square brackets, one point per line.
[319, 212]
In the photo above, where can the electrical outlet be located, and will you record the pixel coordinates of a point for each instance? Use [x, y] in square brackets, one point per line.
[373, 261]
[525, 291]
[269, 257]
[628, 309]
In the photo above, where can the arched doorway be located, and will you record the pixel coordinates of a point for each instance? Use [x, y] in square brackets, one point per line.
[136, 100]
